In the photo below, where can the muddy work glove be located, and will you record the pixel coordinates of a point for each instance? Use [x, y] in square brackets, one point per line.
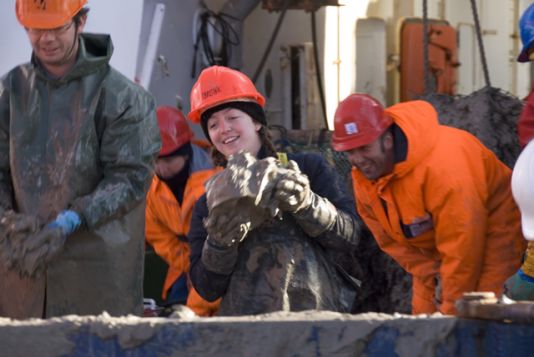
[520, 286]
[41, 247]
[314, 214]
[292, 191]
[225, 232]
[14, 223]
[226, 229]
[14, 229]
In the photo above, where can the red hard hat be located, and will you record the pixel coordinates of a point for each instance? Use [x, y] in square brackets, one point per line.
[47, 14]
[173, 129]
[359, 120]
[217, 85]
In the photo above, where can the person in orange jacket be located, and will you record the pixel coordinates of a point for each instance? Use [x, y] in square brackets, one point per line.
[435, 199]
[182, 168]
[525, 125]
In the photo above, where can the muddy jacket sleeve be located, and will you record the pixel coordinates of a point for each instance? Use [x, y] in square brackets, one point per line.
[331, 216]
[129, 143]
[208, 284]
[5, 176]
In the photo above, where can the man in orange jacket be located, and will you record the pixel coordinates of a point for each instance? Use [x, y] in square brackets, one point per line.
[182, 168]
[434, 197]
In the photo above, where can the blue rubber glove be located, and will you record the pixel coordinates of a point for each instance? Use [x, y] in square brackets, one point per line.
[68, 221]
[520, 286]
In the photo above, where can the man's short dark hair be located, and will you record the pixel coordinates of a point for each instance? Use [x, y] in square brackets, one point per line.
[79, 15]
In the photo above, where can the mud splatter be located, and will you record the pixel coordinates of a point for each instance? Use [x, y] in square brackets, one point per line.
[245, 188]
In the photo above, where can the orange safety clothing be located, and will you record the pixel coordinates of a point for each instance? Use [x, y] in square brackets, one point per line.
[445, 214]
[167, 221]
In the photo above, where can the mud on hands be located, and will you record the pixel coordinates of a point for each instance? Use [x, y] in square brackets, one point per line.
[38, 247]
[226, 229]
[239, 200]
[292, 190]
[14, 230]
[225, 232]
[292, 193]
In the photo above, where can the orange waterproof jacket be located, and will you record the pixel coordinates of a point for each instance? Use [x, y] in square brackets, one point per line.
[167, 224]
[445, 214]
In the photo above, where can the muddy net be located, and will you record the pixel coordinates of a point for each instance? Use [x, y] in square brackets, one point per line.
[490, 114]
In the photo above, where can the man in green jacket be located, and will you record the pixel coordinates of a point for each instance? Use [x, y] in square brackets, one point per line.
[77, 146]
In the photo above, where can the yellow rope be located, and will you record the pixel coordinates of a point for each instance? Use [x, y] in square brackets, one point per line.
[282, 157]
[528, 264]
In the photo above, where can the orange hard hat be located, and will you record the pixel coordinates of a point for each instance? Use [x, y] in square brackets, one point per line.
[173, 128]
[47, 14]
[217, 85]
[359, 120]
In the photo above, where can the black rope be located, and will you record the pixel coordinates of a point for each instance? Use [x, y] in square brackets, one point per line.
[429, 88]
[318, 68]
[271, 41]
[480, 43]
[229, 37]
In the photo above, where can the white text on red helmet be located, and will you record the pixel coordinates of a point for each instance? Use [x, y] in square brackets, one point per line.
[351, 128]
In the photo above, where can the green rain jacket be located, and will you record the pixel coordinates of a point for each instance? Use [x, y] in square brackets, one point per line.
[87, 142]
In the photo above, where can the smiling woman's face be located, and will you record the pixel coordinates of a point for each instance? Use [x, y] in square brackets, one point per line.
[232, 130]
